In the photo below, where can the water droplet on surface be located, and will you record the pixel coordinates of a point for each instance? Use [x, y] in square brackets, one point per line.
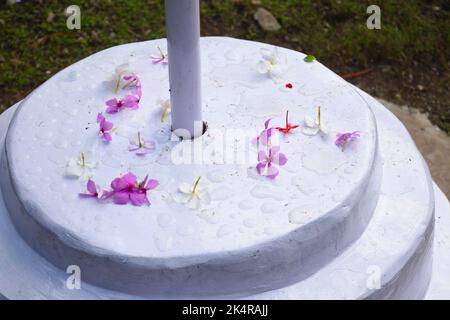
[224, 230]
[165, 220]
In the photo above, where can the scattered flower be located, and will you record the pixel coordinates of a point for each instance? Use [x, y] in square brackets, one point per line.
[127, 189]
[166, 109]
[120, 71]
[314, 126]
[93, 190]
[79, 167]
[115, 105]
[289, 85]
[132, 98]
[309, 58]
[289, 126]
[342, 139]
[161, 57]
[141, 147]
[268, 164]
[271, 64]
[104, 128]
[264, 136]
[192, 197]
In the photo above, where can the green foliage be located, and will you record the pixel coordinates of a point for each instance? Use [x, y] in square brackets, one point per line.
[33, 46]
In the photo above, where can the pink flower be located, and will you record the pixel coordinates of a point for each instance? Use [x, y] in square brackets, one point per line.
[342, 139]
[115, 105]
[127, 189]
[268, 164]
[132, 98]
[141, 147]
[93, 191]
[265, 135]
[105, 128]
[161, 57]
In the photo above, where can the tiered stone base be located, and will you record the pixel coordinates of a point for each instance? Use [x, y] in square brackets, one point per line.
[397, 245]
[377, 243]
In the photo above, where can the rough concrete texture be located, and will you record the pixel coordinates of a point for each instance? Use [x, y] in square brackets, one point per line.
[432, 142]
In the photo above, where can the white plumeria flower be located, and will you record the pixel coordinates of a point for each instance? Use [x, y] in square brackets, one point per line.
[192, 197]
[79, 167]
[166, 109]
[271, 64]
[314, 126]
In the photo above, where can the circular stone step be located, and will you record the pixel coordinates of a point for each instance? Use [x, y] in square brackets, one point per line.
[380, 251]
[256, 234]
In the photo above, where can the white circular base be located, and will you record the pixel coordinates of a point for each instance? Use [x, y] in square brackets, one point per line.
[26, 275]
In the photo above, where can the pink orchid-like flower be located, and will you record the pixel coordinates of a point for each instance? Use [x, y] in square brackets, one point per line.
[127, 189]
[105, 128]
[265, 135]
[342, 139]
[268, 164]
[161, 57]
[93, 191]
[141, 147]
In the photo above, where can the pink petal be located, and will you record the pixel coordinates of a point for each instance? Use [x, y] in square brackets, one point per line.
[130, 101]
[100, 118]
[130, 179]
[118, 184]
[266, 124]
[87, 195]
[112, 102]
[106, 125]
[138, 199]
[260, 167]
[274, 151]
[282, 159]
[152, 184]
[91, 187]
[107, 194]
[272, 171]
[107, 137]
[121, 197]
[112, 109]
[262, 156]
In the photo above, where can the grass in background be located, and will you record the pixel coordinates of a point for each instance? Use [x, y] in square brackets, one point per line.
[35, 43]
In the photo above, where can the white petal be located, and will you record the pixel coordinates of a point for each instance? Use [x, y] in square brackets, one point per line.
[310, 131]
[310, 122]
[266, 54]
[181, 197]
[194, 203]
[185, 188]
[277, 71]
[73, 170]
[262, 67]
[323, 128]
[204, 196]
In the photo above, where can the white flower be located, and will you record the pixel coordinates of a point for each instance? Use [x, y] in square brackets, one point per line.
[271, 64]
[192, 197]
[314, 126]
[120, 71]
[166, 109]
[79, 167]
